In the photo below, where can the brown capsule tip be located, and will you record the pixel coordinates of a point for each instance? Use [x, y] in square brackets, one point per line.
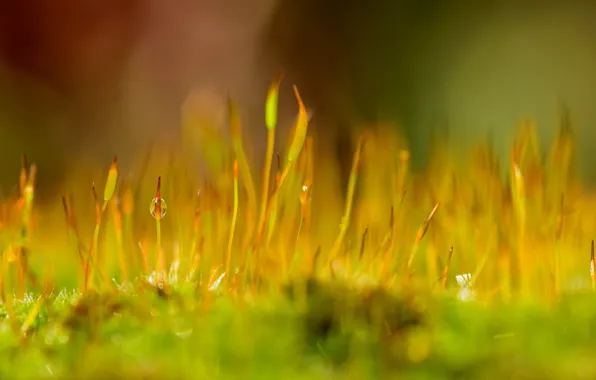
[32, 171]
[279, 75]
[24, 161]
[64, 204]
[236, 169]
[297, 95]
[158, 184]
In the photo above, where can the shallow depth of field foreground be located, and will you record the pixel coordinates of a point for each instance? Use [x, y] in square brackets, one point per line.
[236, 271]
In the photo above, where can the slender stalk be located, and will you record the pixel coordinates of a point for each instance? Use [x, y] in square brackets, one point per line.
[300, 129]
[233, 226]
[593, 268]
[244, 168]
[420, 235]
[194, 255]
[93, 247]
[446, 270]
[120, 240]
[158, 214]
[518, 189]
[271, 123]
[349, 202]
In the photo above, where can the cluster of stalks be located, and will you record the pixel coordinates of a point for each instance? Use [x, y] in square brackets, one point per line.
[514, 237]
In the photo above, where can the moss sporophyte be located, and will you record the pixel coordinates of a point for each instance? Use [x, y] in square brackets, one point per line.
[453, 271]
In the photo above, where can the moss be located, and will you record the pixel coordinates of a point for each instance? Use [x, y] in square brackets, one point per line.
[188, 298]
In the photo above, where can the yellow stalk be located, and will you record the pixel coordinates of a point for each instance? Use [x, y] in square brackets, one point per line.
[73, 234]
[300, 129]
[446, 270]
[398, 194]
[158, 213]
[109, 190]
[93, 247]
[27, 203]
[518, 192]
[593, 268]
[271, 123]
[119, 240]
[349, 202]
[233, 226]
[420, 235]
[236, 133]
[194, 255]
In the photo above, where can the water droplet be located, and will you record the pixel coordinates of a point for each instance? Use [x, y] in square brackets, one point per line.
[304, 194]
[153, 208]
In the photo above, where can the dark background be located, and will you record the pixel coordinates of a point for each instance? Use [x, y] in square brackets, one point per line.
[83, 80]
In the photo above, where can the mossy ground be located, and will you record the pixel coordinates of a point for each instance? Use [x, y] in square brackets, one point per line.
[147, 336]
[451, 273]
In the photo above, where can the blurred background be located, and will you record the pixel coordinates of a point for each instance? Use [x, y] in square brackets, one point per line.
[81, 81]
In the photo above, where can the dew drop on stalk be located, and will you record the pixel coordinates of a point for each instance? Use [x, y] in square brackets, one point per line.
[304, 194]
[158, 204]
